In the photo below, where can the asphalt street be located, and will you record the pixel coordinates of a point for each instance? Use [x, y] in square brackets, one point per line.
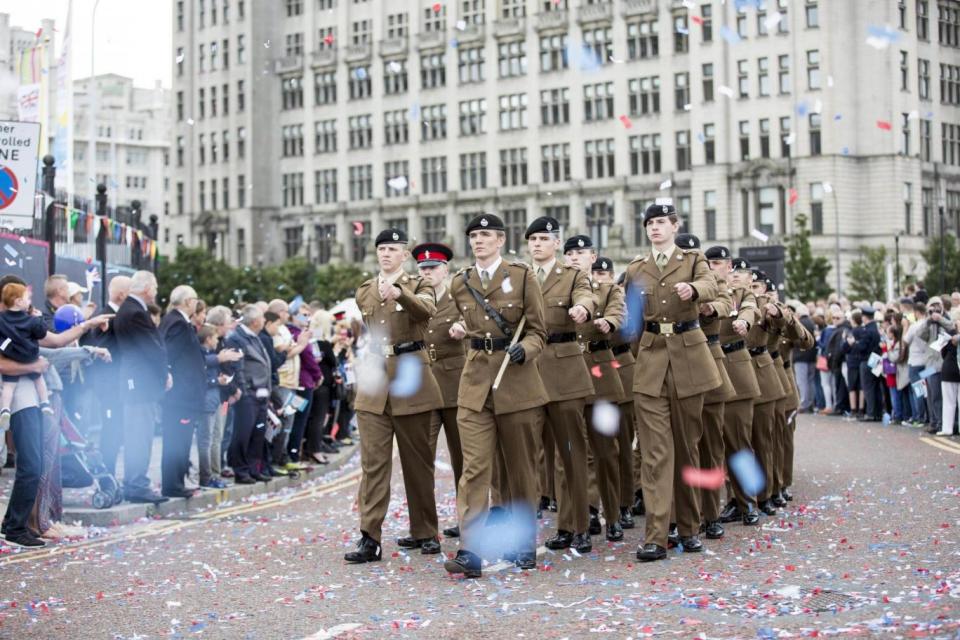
[869, 546]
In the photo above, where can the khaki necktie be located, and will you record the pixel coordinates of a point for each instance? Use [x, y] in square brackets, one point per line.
[484, 278]
[541, 275]
[661, 261]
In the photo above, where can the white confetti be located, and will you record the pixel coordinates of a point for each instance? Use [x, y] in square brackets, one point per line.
[725, 91]
[461, 25]
[827, 187]
[605, 418]
[759, 235]
[773, 20]
[666, 184]
[398, 184]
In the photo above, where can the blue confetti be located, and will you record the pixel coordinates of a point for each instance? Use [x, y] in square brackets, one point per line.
[700, 137]
[683, 30]
[408, 376]
[454, 43]
[360, 73]
[837, 117]
[802, 108]
[584, 58]
[513, 529]
[415, 112]
[743, 5]
[887, 33]
[744, 466]
[729, 35]
[845, 151]
[633, 326]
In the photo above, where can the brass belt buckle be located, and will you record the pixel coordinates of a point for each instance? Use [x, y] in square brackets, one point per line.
[432, 353]
[583, 346]
[387, 350]
[666, 329]
[488, 345]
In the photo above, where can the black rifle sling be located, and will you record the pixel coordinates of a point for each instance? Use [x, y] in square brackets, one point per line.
[490, 311]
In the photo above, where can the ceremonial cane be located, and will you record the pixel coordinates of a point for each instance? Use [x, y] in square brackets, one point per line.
[506, 358]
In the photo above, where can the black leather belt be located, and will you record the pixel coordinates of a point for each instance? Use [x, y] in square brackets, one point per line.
[598, 345]
[774, 354]
[786, 365]
[756, 351]
[713, 339]
[557, 338]
[402, 347]
[733, 346]
[621, 349]
[669, 328]
[489, 344]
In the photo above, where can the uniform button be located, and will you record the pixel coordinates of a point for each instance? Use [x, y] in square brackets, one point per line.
[429, 330]
[664, 301]
[663, 284]
[382, 303]
[485, 318]
[381, 322]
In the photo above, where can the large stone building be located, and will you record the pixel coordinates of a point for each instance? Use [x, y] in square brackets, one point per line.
[13, 41]
[304, 127]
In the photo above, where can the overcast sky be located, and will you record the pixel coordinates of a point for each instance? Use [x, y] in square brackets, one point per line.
[133, 36]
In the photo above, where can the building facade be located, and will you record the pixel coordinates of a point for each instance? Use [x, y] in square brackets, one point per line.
[13, 41]
[346, 116]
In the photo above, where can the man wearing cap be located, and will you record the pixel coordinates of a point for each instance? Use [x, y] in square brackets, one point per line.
[712, 315]
[569, 303]
[795, 336]
[446, 354]
[738, 410]
[396, 309]
[868, 342]
[604, 453]
[674, 370]
[494, 297]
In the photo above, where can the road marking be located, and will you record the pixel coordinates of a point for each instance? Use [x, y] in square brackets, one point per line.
[942, 444]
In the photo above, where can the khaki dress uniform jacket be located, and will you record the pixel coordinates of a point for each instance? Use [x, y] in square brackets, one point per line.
[447, 357]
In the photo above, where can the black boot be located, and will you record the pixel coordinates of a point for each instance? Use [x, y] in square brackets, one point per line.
[714, 530]
[452, 532]
[614, 532]
[526, 560]
[544, 503]
[673, 537]
[751, 518]
[691, 544]
[553, 505]
[595, 527]
[638, 508]
[562, 540]
[626, 518]
[368, 550]
[465, 563]
[731, 512]
[651, 552]
[786, 494]
[581, 543]
[767, 507]
[778, 501]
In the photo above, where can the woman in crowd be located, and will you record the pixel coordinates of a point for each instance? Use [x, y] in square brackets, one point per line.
[318, 443]
[826, 329]
[950, 380]
[310, 377]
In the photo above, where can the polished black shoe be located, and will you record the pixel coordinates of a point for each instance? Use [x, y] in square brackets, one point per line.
[691, 544]
[786, 494]
[526, 560]
[714, 530]
[25, 539]
[260, 477]
[767, 507]
[553, 505]
[651, 552]
[751, 518]
[368, 550]
[582, 543]
[429, 547]
[778, 501]
[562, 540]
[244, 480]
[626, 518]
[638, 506]
[408, 542]
[466, 563]
[731, 512]
[145, 497]
[614, 532]
[544, 503]
[673, 537]
[452, 532]
[179, 493]
[595, 527]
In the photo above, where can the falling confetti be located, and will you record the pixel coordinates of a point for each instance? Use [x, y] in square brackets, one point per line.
[759, 235]
[696, 20]
[328, 39]
[626, 122]
[703, 478]
[437, 7]
[744, 466]
[729, 35]
[827, 187]
[881, 37]
[461, 25]
[360, 73]
[596, 371]
[408, 377]
[725, 91]
[358, 228]
[394, 67]
[793, 196]
[884, 124]
[266, 45]
[605, 418]
[666, 184]
[398, 184]
[506, 285]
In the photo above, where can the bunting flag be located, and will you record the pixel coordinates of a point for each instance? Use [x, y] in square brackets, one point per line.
[120, 232]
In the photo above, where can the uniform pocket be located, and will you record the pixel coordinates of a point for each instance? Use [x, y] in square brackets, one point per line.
[646, 340]
[567, 349]
[511, 312]
[691, 338]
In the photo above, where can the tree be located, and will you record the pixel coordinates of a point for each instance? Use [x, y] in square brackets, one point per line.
[336, 282]
[868, 274]
[806, 275]
[951, 258]
[214, 280]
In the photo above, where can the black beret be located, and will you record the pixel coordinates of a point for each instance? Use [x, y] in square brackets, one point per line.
[430, 254]
[718, 253]
[770, 285]
[602, 264]
[577, 242]
[622, 278]
[687, 241]
[658, 211]
[391, 236]
[486, 221]
[543, 224]
[742, 264]
[758, 274]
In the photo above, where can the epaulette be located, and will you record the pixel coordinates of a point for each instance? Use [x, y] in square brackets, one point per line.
[639, 258]
[519, 263]
[464, 270]
[693, 251]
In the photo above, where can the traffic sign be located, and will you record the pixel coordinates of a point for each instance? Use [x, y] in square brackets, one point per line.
[19, 145]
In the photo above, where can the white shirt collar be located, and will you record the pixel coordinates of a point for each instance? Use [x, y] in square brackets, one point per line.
[393, 277]
[492, 269]
[184, 314]
[547, 268]
[668, 253]
[140, 300]
[248, 330]
[115, 307]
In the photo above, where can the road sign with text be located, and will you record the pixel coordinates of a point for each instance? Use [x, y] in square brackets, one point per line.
[19, 144]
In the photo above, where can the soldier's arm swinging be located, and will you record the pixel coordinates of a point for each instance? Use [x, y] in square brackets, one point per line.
[417, 298]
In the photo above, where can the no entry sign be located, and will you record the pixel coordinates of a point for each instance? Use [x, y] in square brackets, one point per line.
[19, 142]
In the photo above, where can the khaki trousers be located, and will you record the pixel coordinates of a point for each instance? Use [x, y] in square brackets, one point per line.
[448, 419]
[669, 430]
[565, 421]
[627, 454]
[764, 423]
[779, 446]
[737, 436]
[603, 459]
[546, 463]
[711, 457]
[416, 461]
[788, 452]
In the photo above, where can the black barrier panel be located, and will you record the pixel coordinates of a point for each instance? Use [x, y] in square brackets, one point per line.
[26, 258]
[76, 271]
[770, 259]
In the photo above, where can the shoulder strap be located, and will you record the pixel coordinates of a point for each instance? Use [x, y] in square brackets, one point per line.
[490, 311]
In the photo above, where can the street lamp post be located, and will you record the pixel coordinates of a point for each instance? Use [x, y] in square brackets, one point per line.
[836, 217]
[92, 142]
[896, 244]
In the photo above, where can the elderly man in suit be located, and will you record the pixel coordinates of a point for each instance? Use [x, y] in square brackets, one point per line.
[252, 376]
[144, 378]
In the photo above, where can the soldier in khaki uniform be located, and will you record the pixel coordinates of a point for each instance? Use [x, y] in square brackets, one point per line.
[674, 369]
[738, 411]
[604, 453]
[569, 303]
[396, 308]
[493, 295]
[794, 336]
[446, 354]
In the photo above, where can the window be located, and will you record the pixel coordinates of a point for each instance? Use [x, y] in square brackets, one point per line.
[292, 92]
[241, 142]
[226, 54]
[241, 97]
[642, 40]
[241, 191]
[293, 43]
[764, 138]
[743, 79]
[361, 182]
[292, 136]
[360, 86]
[813, 69]
[513, 112]
[434, 20]
[599, 42]
[639, 232]
[513, 167]
[179, 106]
[434, 228]
[398, 25]
[473, 11]
[513, 8]
[905, 134]
[361, 131]
[512, 58]
[201, 149]
[709, 143]
[706, 25]
[784, 74]
[433, 174]
[645, 154]
[744, 128]
[742, 21]
[180, 198]
[203, 196]
[599, 218]
[904, 71]
[515, 221]
[901, 14]
[816, 208]
[294, 7]
[473, 117]
[644, 95]
[292, 189]
[433, 71]
[923, 20]
[361, 31]
[927, 203]
[180, 144]
[395, 76]
[950, 84]
[923, 70]
[180, 15]
[473, 171]
[907, 209]
[326, 37]
[786, 139]
[783, 25]
[767, 210]
[325, 87]
[325, 136]
[710, 215]
[681, 33]
[925, 142]
[360, 242]
[951, 143]
[763, 76]
[560, 212]
[226, 146]
[433, 122]
[393, 170]
[470, 64]
[598, 101]
[202, 59]
[326, 236]
[813, 14]
[213, 101]
[553, 52]
[555, 162]
[179, 61]
[226, 99]
[599, 158]
[708, 83]
[814, 134]
[681, 90]
[292, 241]
[325, 186]
[554, 107]
[396, 129]
[241, 49]
[683, 150]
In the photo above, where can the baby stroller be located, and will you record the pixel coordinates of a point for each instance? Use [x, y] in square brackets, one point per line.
[81, 466]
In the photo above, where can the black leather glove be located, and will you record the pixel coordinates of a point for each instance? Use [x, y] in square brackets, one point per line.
[517, 353]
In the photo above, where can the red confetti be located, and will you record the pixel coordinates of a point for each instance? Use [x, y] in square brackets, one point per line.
[595, 371]
[704, 478]
[615, 364]
[328, 39]
[790, 567]
[793, 196]
[885, 125]
[626, 122]
[696, 20]
[358, 228]
[437, 7]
